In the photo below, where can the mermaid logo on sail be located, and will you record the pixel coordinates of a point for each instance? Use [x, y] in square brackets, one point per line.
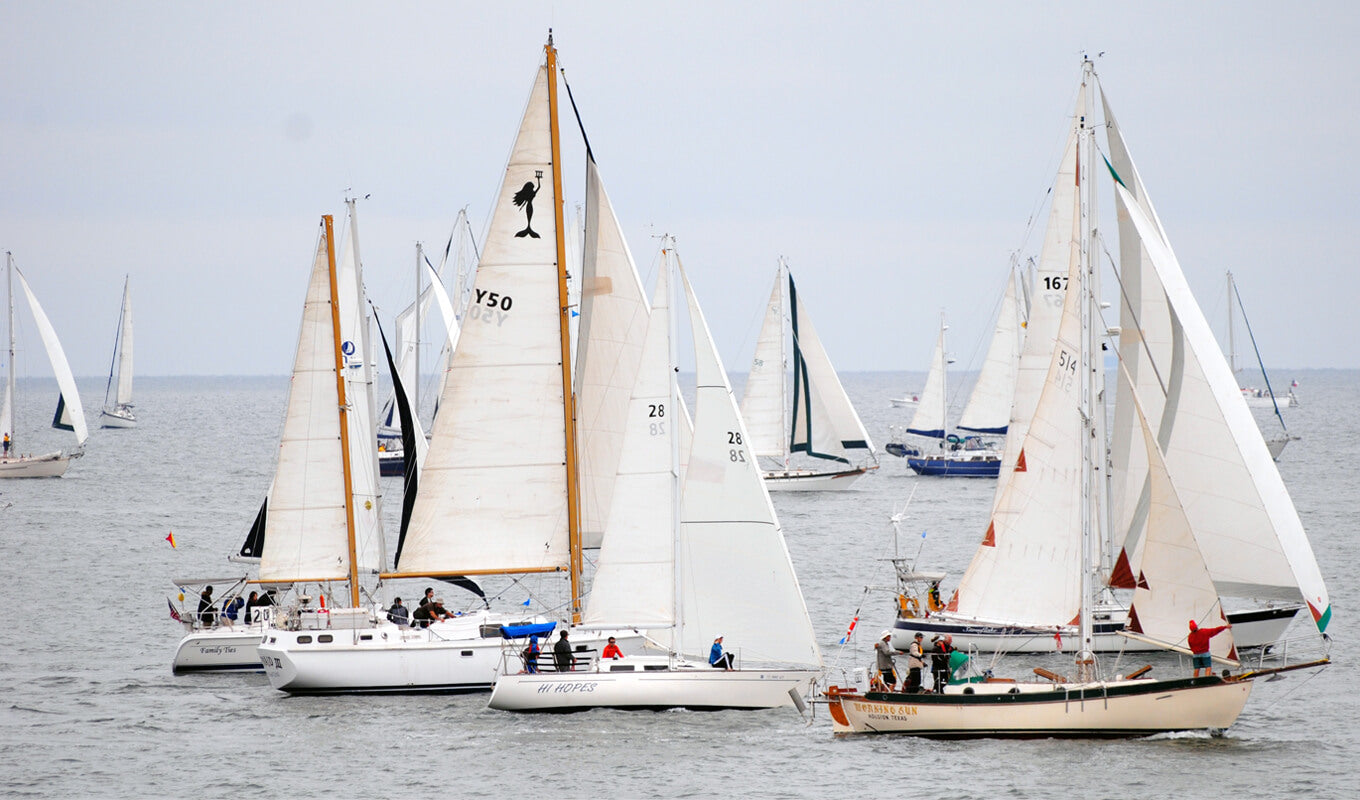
[524, 198]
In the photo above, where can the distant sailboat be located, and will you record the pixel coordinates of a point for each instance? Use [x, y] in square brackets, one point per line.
[70, 415]
[118, 413]
[1259, 398]
[816, 418]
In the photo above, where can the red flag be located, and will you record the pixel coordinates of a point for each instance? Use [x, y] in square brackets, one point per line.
[173, 613]
[171, 540]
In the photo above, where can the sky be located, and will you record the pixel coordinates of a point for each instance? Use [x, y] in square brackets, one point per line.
[897, 154]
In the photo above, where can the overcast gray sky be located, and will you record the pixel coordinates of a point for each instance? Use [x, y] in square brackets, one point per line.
[893, 152]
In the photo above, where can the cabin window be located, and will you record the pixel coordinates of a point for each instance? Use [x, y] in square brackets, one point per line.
[655, 667]
[466, 653]
[325, 638]
[304, 639]
[967, 690]
[364, 637]
[621, 668]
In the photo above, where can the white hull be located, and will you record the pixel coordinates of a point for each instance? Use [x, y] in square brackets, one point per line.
[807, 480]
[120, 417]
[1250, 629]
[52, 465]
[219, 650]
[1031, 710]
[448, 657]
[650, 683]
[904, 402]
[1264, 400]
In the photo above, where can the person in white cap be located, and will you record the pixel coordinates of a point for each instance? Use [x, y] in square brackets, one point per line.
[887, 668]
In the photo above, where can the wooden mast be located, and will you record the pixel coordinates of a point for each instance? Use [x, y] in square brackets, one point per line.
[564, 321]
[329, 225]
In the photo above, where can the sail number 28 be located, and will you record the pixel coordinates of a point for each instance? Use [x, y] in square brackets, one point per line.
[656, 411]
[736, 454]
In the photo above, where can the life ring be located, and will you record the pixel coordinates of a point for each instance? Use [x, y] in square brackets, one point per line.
[908, 607]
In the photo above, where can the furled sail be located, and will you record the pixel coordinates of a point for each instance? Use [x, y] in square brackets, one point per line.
[734, 572]
[493, 495]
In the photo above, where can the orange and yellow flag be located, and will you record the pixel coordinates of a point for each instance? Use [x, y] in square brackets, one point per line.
[171, 540]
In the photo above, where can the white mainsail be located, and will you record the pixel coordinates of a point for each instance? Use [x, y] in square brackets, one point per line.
[764, 401]
[824, 422]
[123, 358]
[989, 406]
[1241, 512]
[307, 527]
[74, 413]
[1061, 249]
[929, 419]
[613, 322]
[634, 584]
[1028, 569]
[356, 345]
[493, 495]
[734, 572]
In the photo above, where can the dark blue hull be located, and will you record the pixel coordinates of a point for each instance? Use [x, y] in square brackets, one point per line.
[952, 468]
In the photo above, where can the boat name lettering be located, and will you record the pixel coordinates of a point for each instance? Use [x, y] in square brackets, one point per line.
[568, 688]
[886, 711]
[216, 650]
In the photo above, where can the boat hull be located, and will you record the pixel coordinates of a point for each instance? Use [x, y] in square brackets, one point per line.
[51, 465]
[956, 467]
[391, 463]
[218, 650]
[807, 480]
[1251, 629]
[120, 417]
[904, 402]
[446, 658]
[699, 688]
[1107, 709]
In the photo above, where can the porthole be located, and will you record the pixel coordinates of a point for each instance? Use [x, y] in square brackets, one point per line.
[325, 638]
[304, 640]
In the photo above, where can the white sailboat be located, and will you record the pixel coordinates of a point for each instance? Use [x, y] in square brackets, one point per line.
[118, 413]
[1259, 398]
[69, 416]
[988, 410]
[815, 416]
[320, 524]
[499, 493]
[686, 560]
[1057, 484]
[1018, 592]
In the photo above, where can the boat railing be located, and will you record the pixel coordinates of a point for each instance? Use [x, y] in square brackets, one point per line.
[1290, 650]
[515, 659]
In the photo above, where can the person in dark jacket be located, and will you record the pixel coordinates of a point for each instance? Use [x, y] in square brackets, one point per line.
[563, 660]
[398, 614]
[205, 607]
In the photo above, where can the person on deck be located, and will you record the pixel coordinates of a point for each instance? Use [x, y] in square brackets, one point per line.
[231, 609]
[612, 650]
[717, 658]
[1198, 641]
[531, 656]
[939, 660]
[887, 668]
[916, 662]
[6, 444]
[563, 660]
[398, 614]
[205, 607]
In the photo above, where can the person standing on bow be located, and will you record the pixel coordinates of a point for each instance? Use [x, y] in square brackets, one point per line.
[1198, 641]
[916, 661]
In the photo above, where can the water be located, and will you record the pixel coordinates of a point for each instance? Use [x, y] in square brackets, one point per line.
[89, 707]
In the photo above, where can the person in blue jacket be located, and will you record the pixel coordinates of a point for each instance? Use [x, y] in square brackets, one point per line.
[717, 658]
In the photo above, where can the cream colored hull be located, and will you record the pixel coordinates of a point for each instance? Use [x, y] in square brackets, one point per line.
[1106, 709]
[52, 465]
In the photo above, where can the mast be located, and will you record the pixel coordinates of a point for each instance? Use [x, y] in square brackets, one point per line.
[564, 321]
[117, 340]
[782, 277]
[9, 388]
[415, 383]
[944, 382]
[329, 224]
[1232, 344]
[678, 621]
[1093, 449]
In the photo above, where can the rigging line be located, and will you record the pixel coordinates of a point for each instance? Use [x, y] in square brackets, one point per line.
[1275, 403]
[590, 154]
[1138, 323]
[1287, 694]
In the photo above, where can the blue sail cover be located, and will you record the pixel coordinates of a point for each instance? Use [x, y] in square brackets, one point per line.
[521, 631]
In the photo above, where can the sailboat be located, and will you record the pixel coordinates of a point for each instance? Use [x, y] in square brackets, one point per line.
[686, 559]
[499, 494]
[320, 524]
[70, 415]
[1059, 480]
[1018, 593]
[815, 417]
[1258, 398]
[118, 413]
[988, 409]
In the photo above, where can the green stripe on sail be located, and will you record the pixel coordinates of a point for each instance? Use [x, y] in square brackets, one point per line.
[1323, 620]
[1110, 167]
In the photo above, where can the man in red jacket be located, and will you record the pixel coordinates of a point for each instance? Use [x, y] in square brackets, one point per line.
[1199, 646]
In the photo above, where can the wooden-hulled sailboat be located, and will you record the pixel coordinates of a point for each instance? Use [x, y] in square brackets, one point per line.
[70, 415]
[1018, 592]
[1059, 482]
[117, 411]
[815, 417]
[499, 493]
[686, 559]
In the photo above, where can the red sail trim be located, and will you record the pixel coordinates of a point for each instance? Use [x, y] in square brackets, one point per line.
[953, 602]
[1020, 462]
[989, 540]
[1134, 626]
[1121, 577]
[1142, 581]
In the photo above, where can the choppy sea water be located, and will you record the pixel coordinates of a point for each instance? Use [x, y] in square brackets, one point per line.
[89, 708]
